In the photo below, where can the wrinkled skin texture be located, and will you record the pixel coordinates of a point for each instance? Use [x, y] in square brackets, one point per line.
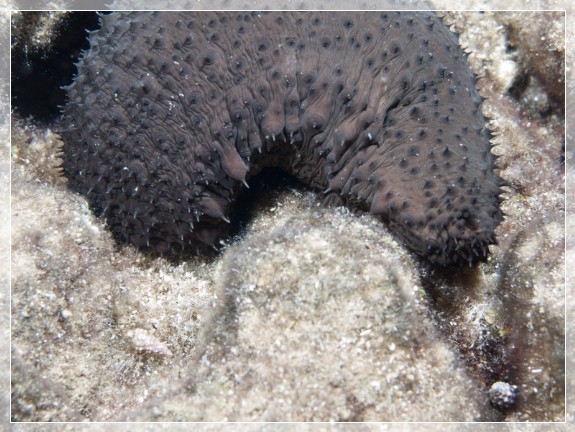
[171, 114]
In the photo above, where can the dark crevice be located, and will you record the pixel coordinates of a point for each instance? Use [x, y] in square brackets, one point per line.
[40, 70]
[264, 189]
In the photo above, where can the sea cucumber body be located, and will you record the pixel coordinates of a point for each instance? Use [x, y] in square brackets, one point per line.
[170, 115]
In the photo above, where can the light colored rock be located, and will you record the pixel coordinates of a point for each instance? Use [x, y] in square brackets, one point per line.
[95, 322]
[322, 319]
[509, 320]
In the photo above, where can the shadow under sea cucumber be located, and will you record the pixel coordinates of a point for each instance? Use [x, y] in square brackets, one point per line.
[171, 114]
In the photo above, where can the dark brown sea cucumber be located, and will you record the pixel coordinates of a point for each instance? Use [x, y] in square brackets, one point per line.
[170, 115]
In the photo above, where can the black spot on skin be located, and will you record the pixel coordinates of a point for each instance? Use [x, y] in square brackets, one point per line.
[163, 152]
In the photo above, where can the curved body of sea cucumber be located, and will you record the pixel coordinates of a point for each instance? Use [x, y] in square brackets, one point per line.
[170, 114]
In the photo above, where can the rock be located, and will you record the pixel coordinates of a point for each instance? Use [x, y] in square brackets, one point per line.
[321, 319]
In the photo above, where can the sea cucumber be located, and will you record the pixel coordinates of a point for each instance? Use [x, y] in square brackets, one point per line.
[171, 114]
